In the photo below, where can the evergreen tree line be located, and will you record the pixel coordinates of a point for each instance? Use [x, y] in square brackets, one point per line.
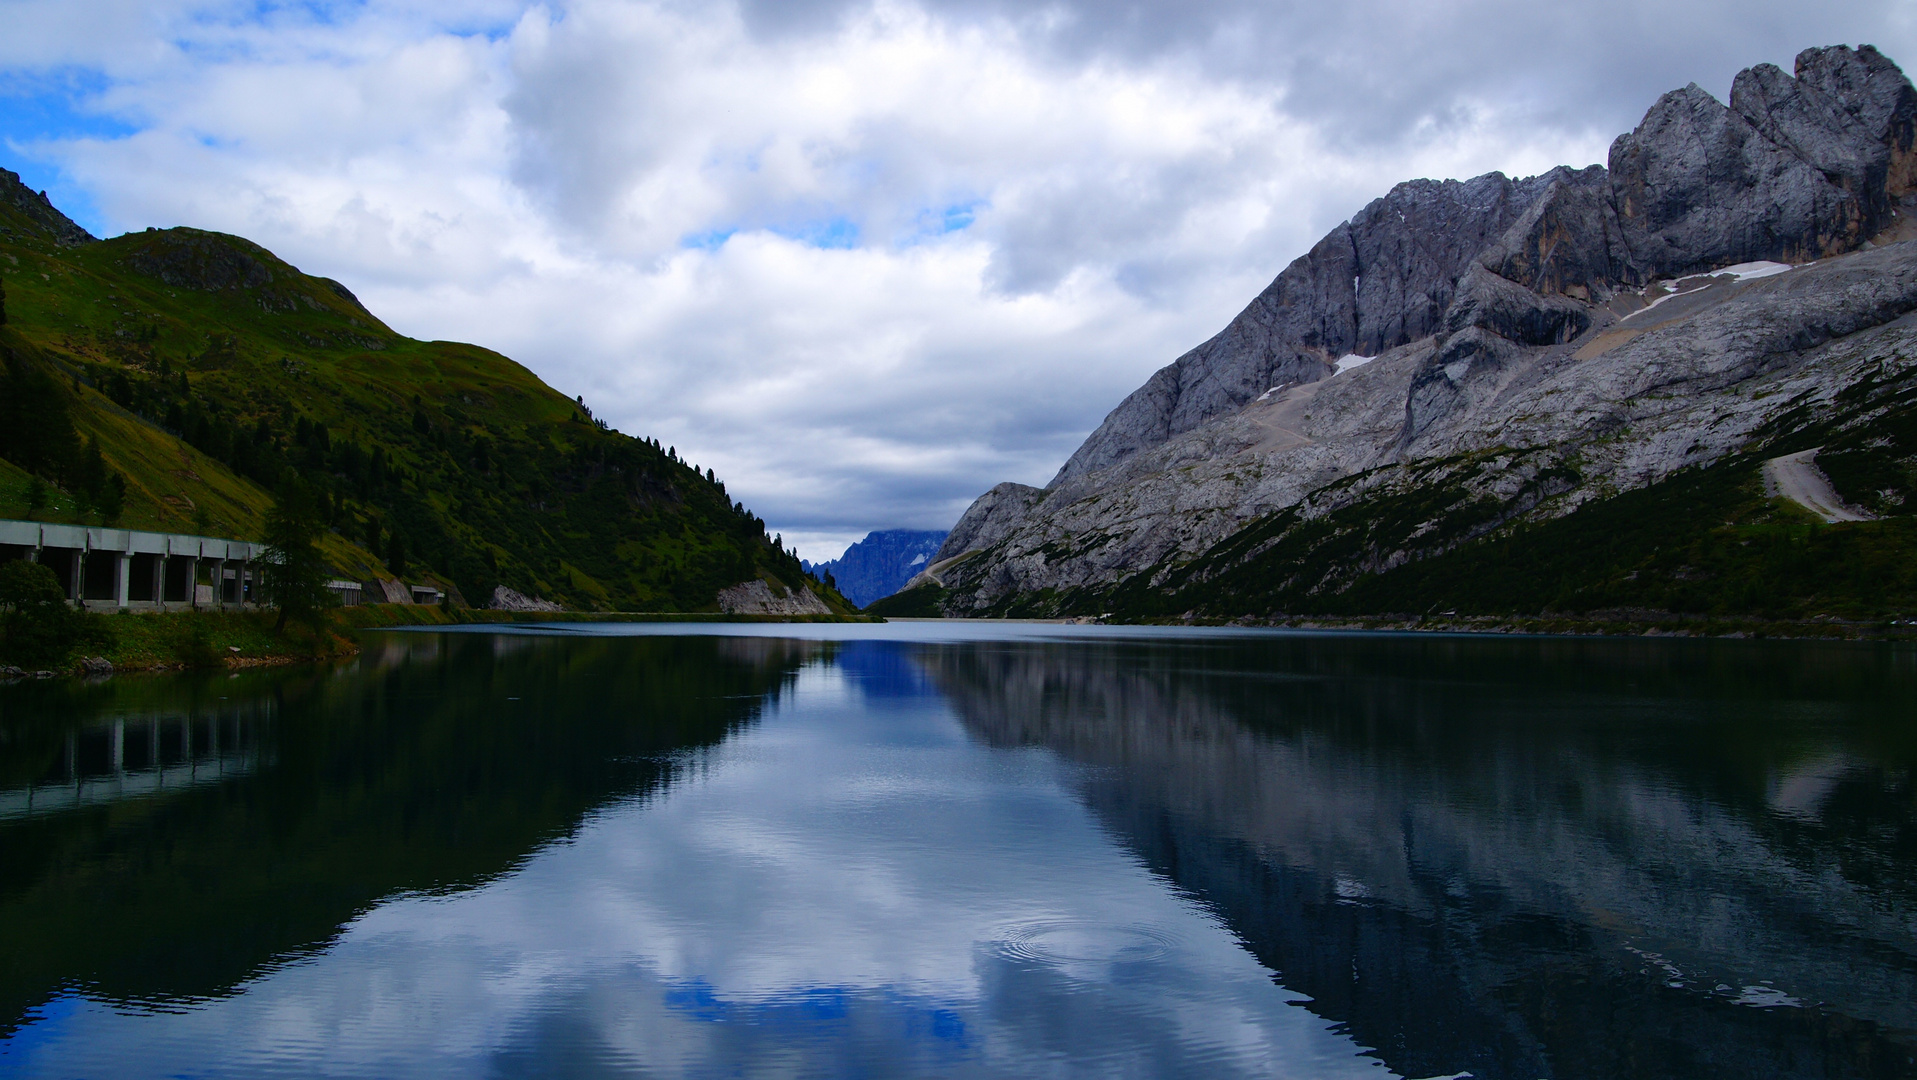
[37, 434]
[427, 489]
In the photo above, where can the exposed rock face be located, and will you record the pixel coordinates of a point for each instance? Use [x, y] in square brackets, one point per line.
[991, 517]
[202, 261]
[755, 597]
[880, 564]
[505, 599]
[215, 262]
[1537, 317]
[36, 207]
[1380, 280]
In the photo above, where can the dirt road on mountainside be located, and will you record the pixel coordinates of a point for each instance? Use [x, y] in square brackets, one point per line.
[1797, 478]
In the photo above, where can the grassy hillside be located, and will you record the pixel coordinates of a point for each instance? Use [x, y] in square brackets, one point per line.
[168, 379]
[1706, 542]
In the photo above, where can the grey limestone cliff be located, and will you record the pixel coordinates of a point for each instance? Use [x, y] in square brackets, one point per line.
[1633, 319]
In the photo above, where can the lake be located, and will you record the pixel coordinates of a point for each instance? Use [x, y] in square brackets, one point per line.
[921, 849]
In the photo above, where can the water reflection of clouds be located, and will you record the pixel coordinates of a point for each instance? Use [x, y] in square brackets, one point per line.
[853, 886]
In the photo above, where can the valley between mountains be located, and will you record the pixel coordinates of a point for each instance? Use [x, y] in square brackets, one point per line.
[1552, 395]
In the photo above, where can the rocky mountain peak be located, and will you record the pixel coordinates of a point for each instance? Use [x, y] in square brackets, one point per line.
[39, 212]
[1499, 316]
[1794, 169]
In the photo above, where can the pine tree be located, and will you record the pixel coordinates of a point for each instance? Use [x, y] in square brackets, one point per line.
[295, 572]
[396, 555]
[111, 499]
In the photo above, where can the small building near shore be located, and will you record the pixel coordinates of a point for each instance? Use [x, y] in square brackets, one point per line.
[348, 593]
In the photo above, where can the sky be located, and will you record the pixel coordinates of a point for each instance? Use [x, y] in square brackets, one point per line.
[863, 259]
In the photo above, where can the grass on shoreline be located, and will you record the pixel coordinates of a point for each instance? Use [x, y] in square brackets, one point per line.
[199, 640]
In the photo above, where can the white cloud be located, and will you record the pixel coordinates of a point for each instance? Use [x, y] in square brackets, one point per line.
[864, 259]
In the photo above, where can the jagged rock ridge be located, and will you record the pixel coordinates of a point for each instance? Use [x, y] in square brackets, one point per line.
[878, 565]
[35, 206]
[1506, 315]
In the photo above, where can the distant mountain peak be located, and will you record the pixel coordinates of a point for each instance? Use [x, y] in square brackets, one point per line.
[877, 566]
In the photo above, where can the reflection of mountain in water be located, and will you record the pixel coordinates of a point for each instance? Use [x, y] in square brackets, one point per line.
[882, 671]
[1518, 858]
[431, 763]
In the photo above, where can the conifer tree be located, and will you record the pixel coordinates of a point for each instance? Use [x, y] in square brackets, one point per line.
[396, 555]
[295, 572]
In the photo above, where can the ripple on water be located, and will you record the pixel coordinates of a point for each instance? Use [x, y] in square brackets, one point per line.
[1069, 942]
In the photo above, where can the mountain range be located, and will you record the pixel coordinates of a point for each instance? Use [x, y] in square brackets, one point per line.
[172, 379]
[1552, 393]
[880, 564]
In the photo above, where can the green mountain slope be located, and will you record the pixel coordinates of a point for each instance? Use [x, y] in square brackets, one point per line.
[197, 368]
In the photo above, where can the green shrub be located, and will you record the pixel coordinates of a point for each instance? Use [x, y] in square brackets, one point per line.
[39, 627]
[921, 602]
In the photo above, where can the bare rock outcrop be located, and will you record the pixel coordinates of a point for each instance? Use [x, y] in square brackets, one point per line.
[756, 597]
[1635, 319]
[505, 599]
[1380, 280]
[35, 207]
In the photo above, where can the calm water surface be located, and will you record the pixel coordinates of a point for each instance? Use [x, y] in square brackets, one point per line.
[929, 850]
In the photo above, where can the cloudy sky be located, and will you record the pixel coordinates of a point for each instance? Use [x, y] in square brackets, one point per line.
[865, 259]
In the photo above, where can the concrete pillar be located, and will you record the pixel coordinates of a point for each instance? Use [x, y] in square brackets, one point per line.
[119, 746]
[219, 584]
[123, 586]
[78, 580]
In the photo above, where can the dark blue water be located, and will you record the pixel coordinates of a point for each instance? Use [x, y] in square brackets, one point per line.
[958, 851]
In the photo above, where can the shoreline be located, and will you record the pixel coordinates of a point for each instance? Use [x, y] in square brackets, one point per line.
[168, 643]
[153, 642]
[1621, 625]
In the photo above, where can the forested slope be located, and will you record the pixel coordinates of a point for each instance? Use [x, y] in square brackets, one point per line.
[169, 379]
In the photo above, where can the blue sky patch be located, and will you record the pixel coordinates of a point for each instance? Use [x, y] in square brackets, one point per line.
[838, 233]
[834, 233]
[953, 218]
[936, 221]
[48, 109]
[711, 240]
